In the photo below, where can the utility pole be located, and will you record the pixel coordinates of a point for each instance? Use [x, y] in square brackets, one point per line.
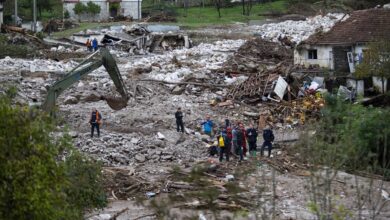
[16, 13]
[138, 10]
[34, 29]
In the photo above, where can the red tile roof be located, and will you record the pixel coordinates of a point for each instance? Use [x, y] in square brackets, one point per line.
[361, 27]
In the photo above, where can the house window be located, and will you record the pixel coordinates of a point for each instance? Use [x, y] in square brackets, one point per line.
[312, 54]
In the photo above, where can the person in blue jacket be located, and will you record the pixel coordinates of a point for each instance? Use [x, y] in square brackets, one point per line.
[95, 44]
[208, 126]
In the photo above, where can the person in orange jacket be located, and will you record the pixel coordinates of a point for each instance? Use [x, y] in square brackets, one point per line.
[95, 121]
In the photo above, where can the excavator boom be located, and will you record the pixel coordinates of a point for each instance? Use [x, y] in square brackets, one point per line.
[84, 69]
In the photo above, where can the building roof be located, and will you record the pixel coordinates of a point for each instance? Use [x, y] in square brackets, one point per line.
[361, 27]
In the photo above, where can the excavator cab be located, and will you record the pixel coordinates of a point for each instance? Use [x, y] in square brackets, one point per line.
[84, 68]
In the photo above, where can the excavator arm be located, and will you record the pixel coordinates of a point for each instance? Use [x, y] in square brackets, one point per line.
[83, 69]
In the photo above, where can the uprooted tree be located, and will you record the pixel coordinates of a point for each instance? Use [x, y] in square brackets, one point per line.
[41, 175]
[376, 62]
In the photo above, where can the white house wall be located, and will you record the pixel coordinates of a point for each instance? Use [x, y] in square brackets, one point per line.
[324, 58]
[129, 8]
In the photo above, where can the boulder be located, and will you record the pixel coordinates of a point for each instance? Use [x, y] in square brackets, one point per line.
[71, 100]
[73, 134]
[167, 157]
[140, 158]
[178, 90]
[135, 140]
[160, 136]
[92, 97]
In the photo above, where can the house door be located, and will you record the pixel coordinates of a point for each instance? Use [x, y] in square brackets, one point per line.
[114, 9]
[341, 59]
[351, 62]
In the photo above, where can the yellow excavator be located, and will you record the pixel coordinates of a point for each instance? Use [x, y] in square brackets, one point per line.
[91, 63]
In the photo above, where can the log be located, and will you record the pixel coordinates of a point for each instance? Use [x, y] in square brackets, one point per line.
[119, 213]
[251, 114]
[15, 29]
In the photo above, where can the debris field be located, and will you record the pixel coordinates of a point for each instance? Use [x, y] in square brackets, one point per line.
[251, 80]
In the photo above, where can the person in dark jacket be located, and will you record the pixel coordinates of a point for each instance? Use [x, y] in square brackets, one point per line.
[179, 120]
[95, 121]
[238, 135]
[268, 137]
[251, 134]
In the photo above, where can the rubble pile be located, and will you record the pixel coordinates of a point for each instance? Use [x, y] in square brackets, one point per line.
[255, 54]
[297, 31]
[175, 65]
[36, 65]
[16, 38]
[136, 30]
[55, 25]
[264, 50]
[257, 85]
[124, 149]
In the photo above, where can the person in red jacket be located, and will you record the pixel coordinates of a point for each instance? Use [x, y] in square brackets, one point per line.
[243, 139]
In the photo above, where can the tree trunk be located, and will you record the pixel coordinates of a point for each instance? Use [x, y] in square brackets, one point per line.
[243, 7]
[383, 85]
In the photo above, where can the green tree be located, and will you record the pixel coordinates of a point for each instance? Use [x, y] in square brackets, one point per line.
[376, 61]
[93, 8]
[80, 9]
[41, 175]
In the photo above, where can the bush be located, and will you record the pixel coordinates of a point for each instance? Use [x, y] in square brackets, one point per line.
[80, 8]
[66, 14]
[350, 137]
[34, 182]
[93, 8]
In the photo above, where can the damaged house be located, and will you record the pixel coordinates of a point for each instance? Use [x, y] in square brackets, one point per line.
[108, 8]
[342, 48]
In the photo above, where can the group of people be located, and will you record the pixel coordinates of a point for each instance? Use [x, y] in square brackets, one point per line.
[234, 139]
[92, 45]
[231, 138]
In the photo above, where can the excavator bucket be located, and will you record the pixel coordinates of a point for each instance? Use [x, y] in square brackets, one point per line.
[116, 103]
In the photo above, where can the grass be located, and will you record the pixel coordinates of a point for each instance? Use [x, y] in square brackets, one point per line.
[199, 16]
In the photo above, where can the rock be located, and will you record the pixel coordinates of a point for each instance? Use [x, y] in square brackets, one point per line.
[73, 134]
[167, 157]
[178, 90]
[104, 217]
[43, 90]
[140, 158]
[80, 84]
[135, 140]
[61, 48]
[71, 100]
[205, 138]
[229, 178]
[92, 97]
[160, 136]
[106, 138]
